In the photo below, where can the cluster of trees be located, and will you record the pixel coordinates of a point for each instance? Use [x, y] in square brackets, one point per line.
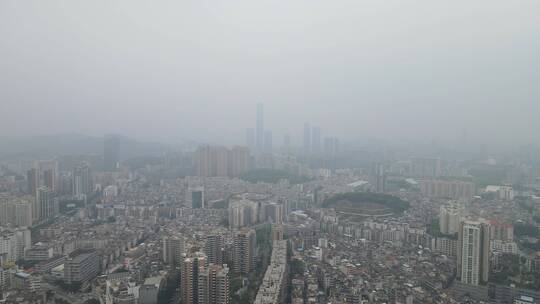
[523, 230]
[509, 267]
[391, 202]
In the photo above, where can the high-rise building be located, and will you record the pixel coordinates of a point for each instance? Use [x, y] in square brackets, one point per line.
[316, 140]
[250, 139]
[239, 161]
[244, 254]
[22, 213]
[82, 180]
[213, 285]
[173, 250]
[447, 189]
[378, 177]
[32, 178]
[450, 218]
[277, 232]
[197, 198]
[214, 249]
[274, 213]
[8, 245]
[65, 183]
[49, 172]
[48, 203]
[260, 127]
[501, 231]
[24, 240]
[286, 143]
[473, 252]
[243, 213]
[268, 142]
[17, 212]
[307, 138]
[111, 153]
[49, 179]
[189, 278]
[204, 161]
[220, 161]
[426, 167]
[331, 147]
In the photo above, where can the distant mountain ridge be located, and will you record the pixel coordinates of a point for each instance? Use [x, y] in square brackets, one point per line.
[42, 146]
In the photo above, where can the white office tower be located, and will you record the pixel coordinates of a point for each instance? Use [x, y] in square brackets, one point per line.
[473, 252]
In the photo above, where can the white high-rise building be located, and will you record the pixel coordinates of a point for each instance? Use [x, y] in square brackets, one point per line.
[243, 213]
[450, 218]
[17, 212]
[473, 252]
[173, 250]
[24, 241]
[8, 245]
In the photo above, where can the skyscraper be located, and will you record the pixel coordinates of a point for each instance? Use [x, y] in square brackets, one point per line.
[220, 161]
[82, 180]
[214, 285]
[378, 177]
[244, 254]
[213, 248]
[473, 252]
[49, 179]
[173, 249]
[17, 212]
[260, 127]
[49, 172]
[111, 153]
[48, 203]
[316, 140]
[250, 139]
[32, 178]
[197, 198]
[450, 218]
[189, 278]
[23, 213]
[286, 143]
[268, 142]
[307, 138]
[239, 161]
[426, 167]
[204, 161]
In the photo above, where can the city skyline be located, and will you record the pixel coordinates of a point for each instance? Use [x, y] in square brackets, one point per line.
[269, 152]
[397, 80]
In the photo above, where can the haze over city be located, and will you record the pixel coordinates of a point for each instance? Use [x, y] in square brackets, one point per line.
[269, 152]
[390, 70]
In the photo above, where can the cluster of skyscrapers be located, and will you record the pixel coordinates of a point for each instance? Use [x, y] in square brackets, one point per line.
[204, 274]
[259, 140]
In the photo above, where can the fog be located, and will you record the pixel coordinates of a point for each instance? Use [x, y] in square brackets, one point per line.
[170, 70]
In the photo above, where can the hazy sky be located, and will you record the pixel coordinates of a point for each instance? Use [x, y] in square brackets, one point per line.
[196, 69]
